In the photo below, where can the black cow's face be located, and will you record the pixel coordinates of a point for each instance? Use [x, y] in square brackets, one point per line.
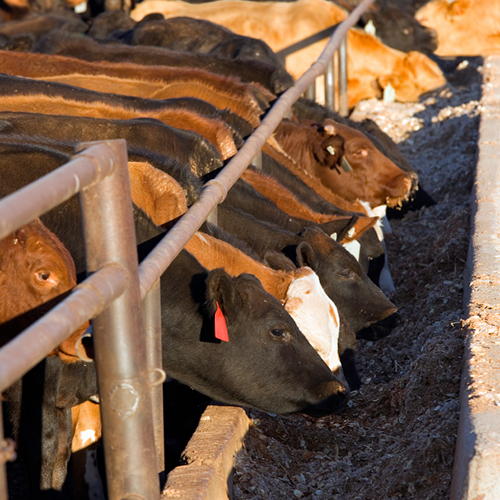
[266, 362]
[359, 300]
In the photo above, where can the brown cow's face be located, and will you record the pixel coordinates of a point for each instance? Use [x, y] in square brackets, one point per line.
[34, 268]
[412, 76]
[374, 178]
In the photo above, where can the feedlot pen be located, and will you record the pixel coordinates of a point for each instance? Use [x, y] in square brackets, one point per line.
[397, 439]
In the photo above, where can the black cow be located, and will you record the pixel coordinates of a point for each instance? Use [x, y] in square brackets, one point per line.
[199, 36]
[357, 298]
[257, 367]
[186, 149]
[275, 79]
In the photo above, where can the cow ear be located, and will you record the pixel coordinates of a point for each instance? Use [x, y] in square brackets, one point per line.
[329, 129]
[456, 9]
[221, 290]
[279, 261]
[306, 256]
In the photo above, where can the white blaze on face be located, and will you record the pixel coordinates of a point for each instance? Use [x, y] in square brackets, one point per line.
[315, 314]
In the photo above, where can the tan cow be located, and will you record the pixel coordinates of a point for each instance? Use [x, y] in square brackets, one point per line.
[372, 66]
[464, 27]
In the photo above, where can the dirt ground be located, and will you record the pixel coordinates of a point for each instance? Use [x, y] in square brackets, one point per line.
[397, 437]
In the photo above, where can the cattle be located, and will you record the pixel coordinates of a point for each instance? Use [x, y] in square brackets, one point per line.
[273, 78]
[286, 201]
[160, 90]
[395, 25]
[313, 148]
[156, 192]
[201, 36]
[299, 291]
[464, 28]
[34, 268]
[373, 178]
[181, 148]
[357, 298]
[305, 109]
[255, 320]
[25, 94]
[264, 348]
[274, 150]
[155, 82]
[36, 272]
[246, 198]
[372, 65]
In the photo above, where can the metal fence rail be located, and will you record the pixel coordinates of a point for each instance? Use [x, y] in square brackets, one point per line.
[111, 296]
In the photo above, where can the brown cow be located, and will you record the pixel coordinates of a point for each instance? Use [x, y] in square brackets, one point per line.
[464, 27]
[276, 152]
[214, 130]
[156, 192]
[34, 268]
[286, 201]
[373, 177]
[372, 65]
[155, 82]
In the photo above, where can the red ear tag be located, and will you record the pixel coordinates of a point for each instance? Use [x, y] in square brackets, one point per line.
[220, 325]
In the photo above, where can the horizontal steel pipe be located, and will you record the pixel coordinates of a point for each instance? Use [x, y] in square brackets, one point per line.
[166, 251]
[86, 301]
[39, 197]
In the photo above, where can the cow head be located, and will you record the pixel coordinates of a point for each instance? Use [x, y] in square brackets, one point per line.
[328, 147]
[373, 177]
[266, 364]
[35, 267]
[412, 75]
[358, 299]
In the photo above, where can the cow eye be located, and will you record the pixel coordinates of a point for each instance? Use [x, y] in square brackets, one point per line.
[43, 276]
[280, 333]
[361, 152]
[345, 274]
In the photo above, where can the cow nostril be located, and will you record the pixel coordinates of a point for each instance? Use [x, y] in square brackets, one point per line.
[339, 374]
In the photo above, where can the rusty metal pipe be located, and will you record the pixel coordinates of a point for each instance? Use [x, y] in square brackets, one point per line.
[151, 308]
[330, 85]
[342, 78]
[215, 190]
[119, 339]
[86, 301]
[3, 473]
[39, 197]
[310, 93]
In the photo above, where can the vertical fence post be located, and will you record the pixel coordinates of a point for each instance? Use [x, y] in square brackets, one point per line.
[151, 306]
[330, 85]
[120, 348]
[310, 93]
[342, 72]
[3, 472]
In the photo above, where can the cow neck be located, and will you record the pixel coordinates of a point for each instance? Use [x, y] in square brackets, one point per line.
[213, 253]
